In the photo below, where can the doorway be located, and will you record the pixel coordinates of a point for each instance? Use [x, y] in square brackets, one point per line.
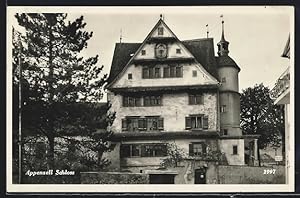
[200, 176]
[162, 178]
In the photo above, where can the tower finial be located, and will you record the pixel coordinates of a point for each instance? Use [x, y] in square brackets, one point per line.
[207, 30]
[161, 17]
[121, 35]
[223, 44]
[223, 37]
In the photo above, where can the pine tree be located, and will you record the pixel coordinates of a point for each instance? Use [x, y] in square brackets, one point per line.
[60, 83]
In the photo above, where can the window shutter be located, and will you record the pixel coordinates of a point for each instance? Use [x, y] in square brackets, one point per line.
[145, 124]
[188, 123]
[204, 147]
[125, 101]
[205, 122]
[124, 125]
[191, 151]
[160, 124]
[141, 124]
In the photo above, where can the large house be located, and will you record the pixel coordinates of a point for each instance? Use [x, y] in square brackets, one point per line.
[281, 96]
[167, 91]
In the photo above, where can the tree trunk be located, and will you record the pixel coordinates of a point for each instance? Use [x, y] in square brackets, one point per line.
[50, 156]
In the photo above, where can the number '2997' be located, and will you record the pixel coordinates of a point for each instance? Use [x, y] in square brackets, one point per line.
[269, 171]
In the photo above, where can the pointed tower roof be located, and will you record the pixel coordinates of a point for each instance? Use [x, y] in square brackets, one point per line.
[223, 37]
[223, 44]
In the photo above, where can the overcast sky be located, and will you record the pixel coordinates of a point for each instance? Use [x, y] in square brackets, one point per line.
[257, 35]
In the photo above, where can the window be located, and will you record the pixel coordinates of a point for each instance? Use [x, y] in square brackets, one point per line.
[196, 99]
[194, 73]
[143, 52]
[166, 72]
[143, 150]
[152, 123]
[196, 122]
[131, 101]
[178, 51]
[129, 76]
[225, 131]
[157, 72]
[223, 80]
[152, 101]
[234, 149]
[173, 71]
[130, 150]
[197, 149]
[130, 124]
[160, 31]
[178, 71]
[145, 73]
[223, 109]
[151, 72]
[154, 150]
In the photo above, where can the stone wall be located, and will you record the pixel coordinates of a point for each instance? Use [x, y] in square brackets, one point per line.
[226, 146]
[251, 175]
[135, 164]
[174, 109]
[114, 178]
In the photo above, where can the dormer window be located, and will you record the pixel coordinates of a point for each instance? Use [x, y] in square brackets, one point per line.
[160, 31]
[143, 52]
[223, 80]
[178, 51]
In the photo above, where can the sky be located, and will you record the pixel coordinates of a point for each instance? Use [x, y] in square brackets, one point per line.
[257, 35]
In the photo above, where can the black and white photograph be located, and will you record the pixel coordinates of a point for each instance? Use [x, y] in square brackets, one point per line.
[150, 99]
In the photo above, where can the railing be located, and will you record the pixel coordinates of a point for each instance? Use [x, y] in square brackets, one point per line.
[281, 85]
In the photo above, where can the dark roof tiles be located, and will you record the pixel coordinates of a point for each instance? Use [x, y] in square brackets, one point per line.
[121, 57]
[201, 49]
[226, 61]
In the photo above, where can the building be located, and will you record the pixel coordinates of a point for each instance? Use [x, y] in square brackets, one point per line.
[164, 90]
[281, 96]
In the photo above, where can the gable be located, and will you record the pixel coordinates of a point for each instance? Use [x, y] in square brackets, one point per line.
[202, 50]
[161, 45]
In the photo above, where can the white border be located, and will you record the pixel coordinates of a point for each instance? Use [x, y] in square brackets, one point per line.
[147, 188]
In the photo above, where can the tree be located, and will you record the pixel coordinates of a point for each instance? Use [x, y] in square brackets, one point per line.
[62, 88]
[260, 116]
[175, 155]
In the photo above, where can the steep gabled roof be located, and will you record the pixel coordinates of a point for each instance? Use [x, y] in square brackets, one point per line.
[132, 57]
[122, 54]
[201, 49]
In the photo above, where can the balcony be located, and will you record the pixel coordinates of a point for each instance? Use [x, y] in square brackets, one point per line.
[281, 91]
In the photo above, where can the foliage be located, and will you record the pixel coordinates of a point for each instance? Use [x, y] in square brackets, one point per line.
[60, 89]
[261, 117]
[117, 178]
[175, 155]
[215, 156]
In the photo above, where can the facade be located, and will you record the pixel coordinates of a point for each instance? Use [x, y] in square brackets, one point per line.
[281, 96]
[166, 91]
